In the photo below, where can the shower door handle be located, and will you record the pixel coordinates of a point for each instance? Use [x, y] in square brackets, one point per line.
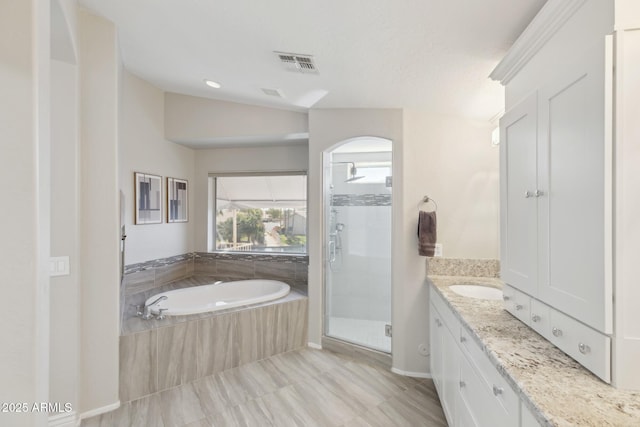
[332, 250]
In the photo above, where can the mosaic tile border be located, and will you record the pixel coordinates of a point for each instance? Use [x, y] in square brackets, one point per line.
[160, 262]
[163, 262]
[361, 200]
[292, 269]
[238, 256]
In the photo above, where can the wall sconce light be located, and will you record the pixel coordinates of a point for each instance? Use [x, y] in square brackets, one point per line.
[495, 137]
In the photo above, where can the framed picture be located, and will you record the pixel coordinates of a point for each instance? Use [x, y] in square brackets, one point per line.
[177, 200]
[148, 194]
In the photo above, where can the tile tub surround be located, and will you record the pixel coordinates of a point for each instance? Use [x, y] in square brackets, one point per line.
[172, 354]
[291, 269]
[131, 323]
[463, 267]
[557, 390]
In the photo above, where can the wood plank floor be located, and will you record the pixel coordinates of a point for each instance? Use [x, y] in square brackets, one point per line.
[301, 388]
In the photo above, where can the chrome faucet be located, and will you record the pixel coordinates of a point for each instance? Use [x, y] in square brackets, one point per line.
[146, 312]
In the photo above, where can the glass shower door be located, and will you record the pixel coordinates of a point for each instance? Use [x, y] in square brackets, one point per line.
[358, 249]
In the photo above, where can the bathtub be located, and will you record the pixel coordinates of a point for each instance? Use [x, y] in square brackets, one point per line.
[218, 296]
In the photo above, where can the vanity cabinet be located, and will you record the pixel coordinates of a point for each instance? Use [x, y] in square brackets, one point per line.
[569, 155]
[444, 360]
[471, 390]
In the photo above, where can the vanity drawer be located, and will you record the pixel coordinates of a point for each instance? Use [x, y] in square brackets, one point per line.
[540, 317]
[590, 348]
[494, 405]
[476, 355]
[517, 303]
[448, 318]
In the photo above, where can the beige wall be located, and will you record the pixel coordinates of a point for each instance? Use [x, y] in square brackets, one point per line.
[143, 148]
[194, 120]
[65, 227]
[452, 160]
[99, 66]
[447, 158]
[327, 128]
[24, 221]
[255, 159]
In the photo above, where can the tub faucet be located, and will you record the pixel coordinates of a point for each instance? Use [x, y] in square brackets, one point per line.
[146, 315]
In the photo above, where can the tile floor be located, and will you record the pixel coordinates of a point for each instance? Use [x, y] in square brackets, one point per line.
[369, 333]
[299, 388]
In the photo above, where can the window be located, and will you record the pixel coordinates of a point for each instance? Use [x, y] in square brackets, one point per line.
[260, 212]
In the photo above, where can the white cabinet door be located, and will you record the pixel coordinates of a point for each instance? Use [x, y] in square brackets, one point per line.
[436, 329]
[518, 185]
[450, 376]
[571, 174]
[527, 418]
[444, 365]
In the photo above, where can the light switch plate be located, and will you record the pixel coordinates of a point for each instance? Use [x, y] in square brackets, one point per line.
[438, 250]
[59, 266]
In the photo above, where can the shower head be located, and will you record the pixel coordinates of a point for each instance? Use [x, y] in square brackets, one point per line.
[353, 171]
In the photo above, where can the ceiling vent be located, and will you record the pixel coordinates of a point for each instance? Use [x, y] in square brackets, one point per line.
[273, 92]
[298, 62]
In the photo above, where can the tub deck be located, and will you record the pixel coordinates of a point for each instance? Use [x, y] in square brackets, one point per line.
[131, 324]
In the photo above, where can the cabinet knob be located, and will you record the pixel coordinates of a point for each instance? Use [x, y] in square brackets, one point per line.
[519, 307]
[497, 390]
[556, 332]
[463, 339]
[462, 384]
[535, 318]
[506, 298]
[584, 349]
[538, 193]
[438, 322]
[528, 194]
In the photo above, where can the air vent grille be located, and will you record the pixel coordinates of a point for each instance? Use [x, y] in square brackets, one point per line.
[273, 92]
[298, 62]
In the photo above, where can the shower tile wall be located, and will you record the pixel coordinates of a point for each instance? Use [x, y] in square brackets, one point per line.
[361, 275]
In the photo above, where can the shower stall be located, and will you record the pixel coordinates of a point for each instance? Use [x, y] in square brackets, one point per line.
[357, 279]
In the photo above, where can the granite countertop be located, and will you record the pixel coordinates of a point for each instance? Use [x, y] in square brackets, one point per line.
[557, 390]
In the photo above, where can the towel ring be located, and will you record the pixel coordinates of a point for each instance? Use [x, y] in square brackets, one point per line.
[427, 199]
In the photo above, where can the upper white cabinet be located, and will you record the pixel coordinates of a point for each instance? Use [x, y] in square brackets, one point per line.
[572, 180]
[553, 180]
[569, 156]
[519, 186]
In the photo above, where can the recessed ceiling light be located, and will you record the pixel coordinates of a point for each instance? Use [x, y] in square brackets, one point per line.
[212, 84]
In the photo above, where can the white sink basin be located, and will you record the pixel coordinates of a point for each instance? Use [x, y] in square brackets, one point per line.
[476, 291]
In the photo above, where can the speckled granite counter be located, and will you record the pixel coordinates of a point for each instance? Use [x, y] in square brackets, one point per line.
[557, 390]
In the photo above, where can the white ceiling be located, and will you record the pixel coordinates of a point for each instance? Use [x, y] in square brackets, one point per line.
[429, 54]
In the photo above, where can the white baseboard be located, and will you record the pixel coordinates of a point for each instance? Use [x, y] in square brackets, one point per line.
[314, 345]
[69, 419]
[411, 374]
[99, 411]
